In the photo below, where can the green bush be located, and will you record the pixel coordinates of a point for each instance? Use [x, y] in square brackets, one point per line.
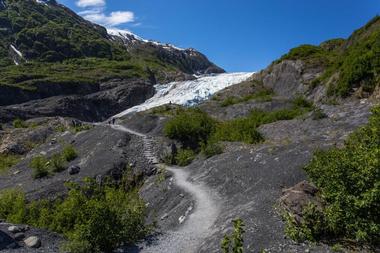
[211, 149]
[263, 95]
[7, 161]
[302, 102]
[12, 206]
[235, 242]
[245, 129]
[229, 101]
[57, 163]
[349, 182]
[311, 55]
[69, 153]
[40, 167]
[184, 157]
[94, 218]
[19, 123]
[191, 127]
[81, 128]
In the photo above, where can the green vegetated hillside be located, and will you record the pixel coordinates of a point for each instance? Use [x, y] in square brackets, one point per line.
[349, 64]
[59, 46]
[52, 33]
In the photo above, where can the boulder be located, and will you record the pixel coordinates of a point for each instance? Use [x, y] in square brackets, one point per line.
[33, 242]
[296, 198]
[14, 229]
[19, 236]
[73, 169]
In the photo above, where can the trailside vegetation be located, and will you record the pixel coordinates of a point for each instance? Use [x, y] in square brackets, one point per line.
[349, 182]
[93, 217]
[197, 131]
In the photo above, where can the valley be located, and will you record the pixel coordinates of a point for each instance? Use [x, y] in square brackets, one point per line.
[114, 143]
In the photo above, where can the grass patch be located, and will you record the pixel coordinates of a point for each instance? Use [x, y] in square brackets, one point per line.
[40, 167]
[245, 129]
[93, 218]
[211, 149]
[43, 167]
[69, 153]
[7, 161]
[81, 128]
[197, 131]
[263, 95]
[19, 123]
[191, 127]
[58, 163]
[349, 182]
[184, 157]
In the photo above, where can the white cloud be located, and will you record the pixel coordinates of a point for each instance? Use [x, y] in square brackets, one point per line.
[94, 11]
[91, 3]
[114, 19]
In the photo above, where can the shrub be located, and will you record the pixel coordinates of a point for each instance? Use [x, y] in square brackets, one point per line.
[191, 127]
[229, 101]
[19, 123]
[12, 206]
[245, 129]
[81, 128]
[184, 157]
[58, 163]
[262, 95]
[235, 242]
[211, 149]
[39, 165]
[69, 153]
[349, 182]
[301, 102]
[94, 218]
[7, 161]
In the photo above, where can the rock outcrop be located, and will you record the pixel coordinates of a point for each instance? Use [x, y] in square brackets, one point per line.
[108, 99]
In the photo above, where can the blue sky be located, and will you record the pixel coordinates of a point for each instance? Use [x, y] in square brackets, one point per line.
[238, 35]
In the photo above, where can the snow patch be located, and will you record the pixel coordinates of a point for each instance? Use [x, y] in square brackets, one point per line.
[129, 36]
[16, 51]
[188, 93]
[44, 2]
[125, 34]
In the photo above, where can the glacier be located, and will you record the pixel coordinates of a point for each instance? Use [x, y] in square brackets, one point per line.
[189, 93]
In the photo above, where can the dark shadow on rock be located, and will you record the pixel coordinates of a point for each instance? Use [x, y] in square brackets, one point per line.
[7, 241]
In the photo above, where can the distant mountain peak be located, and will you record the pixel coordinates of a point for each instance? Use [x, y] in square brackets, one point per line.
[130, 37]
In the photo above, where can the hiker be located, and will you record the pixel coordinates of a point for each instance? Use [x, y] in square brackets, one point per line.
[174, 152]
[113, 121]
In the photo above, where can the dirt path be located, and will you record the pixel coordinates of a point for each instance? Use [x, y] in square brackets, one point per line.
[196, 224]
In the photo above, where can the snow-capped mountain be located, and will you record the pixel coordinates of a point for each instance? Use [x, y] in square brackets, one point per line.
[189, 60]
[189, 93]
[129, 37]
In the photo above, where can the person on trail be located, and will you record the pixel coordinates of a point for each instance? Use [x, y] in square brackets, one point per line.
[113, 121]
[174, 152]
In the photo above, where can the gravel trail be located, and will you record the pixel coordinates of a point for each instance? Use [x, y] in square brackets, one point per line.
[196, 224]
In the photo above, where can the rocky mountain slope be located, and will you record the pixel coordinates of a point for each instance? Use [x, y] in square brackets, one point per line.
[244, 148]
